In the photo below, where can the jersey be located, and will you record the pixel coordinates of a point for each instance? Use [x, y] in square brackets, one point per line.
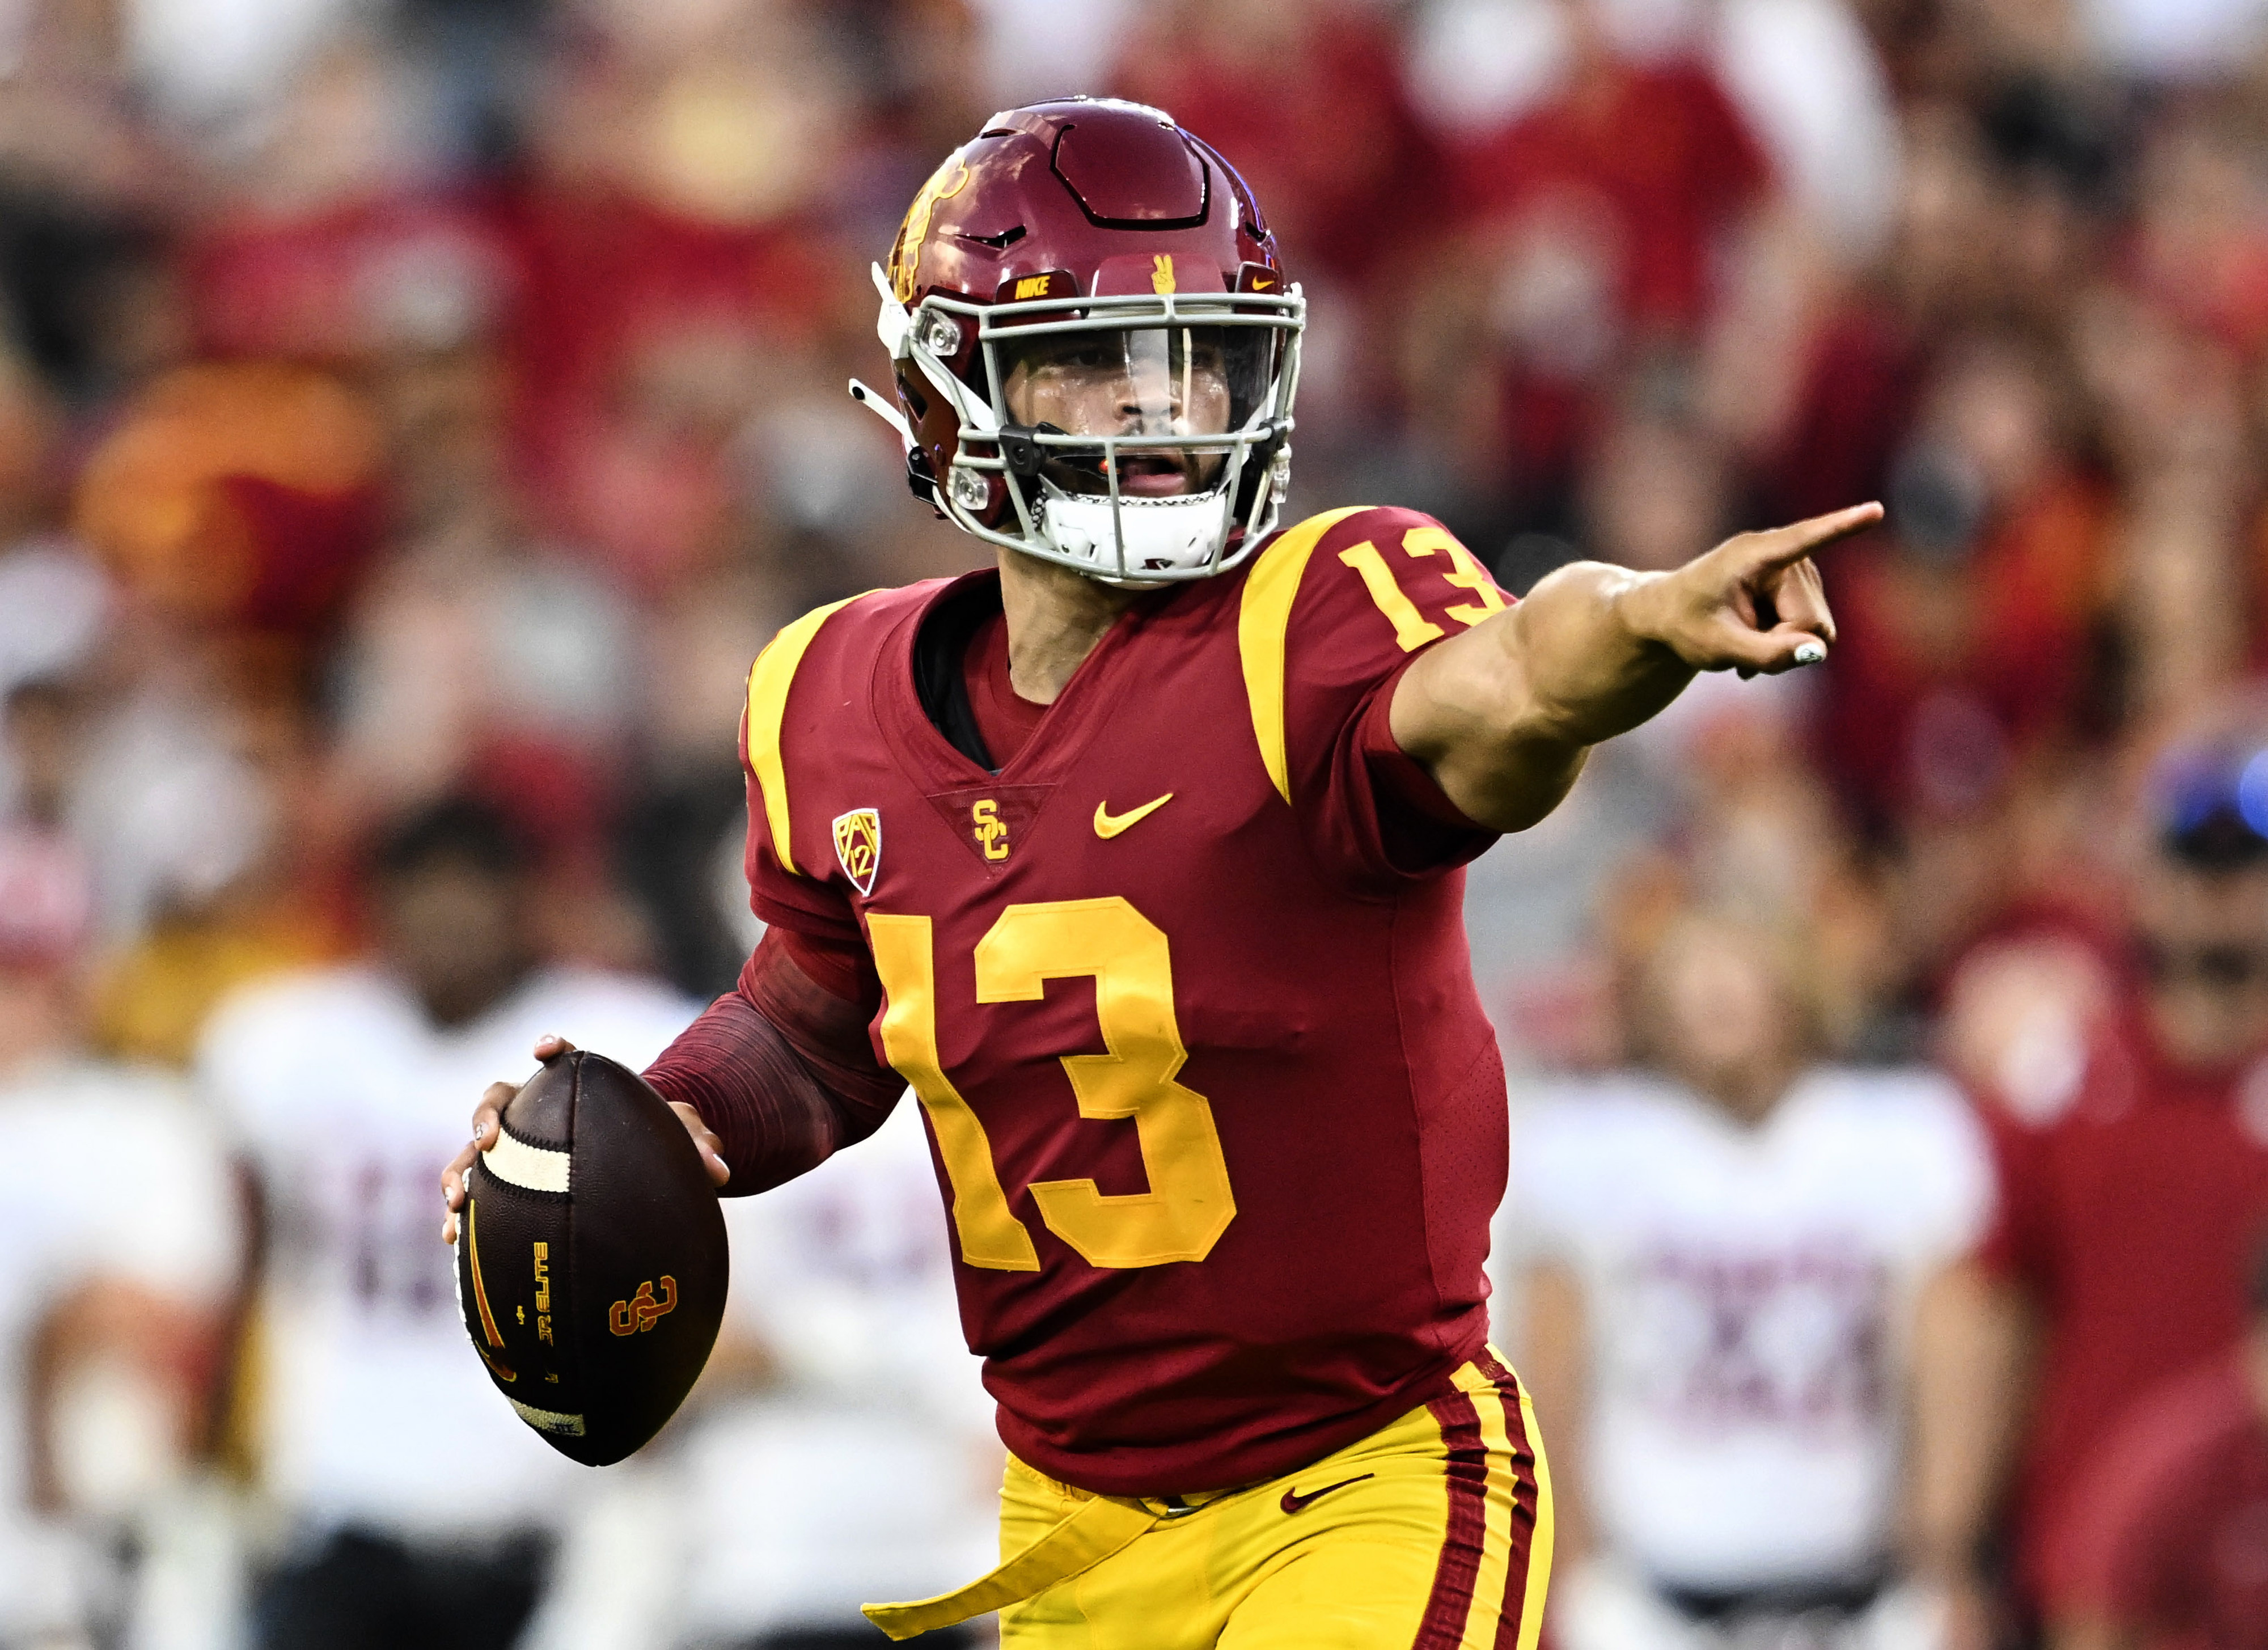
[2130, 1216]
[2168, 1530]
[161, 1217]
[1209, 1089]
[841, 1279]
[1748, 1291]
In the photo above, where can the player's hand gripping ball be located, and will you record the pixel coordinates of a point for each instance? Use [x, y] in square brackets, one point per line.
[591, 1258]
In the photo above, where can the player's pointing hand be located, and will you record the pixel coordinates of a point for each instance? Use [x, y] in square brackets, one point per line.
[1503, 716]
[1753, 604]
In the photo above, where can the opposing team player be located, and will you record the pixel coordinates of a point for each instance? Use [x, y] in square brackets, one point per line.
[1137, 858]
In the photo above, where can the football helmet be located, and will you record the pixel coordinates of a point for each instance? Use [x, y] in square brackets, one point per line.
[1095, 347]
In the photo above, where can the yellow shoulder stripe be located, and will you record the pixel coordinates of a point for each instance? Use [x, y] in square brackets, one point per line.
[768, 685]
[1261, 624]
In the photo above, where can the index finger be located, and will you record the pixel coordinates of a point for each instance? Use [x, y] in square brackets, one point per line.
[1784, 546]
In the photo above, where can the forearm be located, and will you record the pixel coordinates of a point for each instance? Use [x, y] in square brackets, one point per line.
[1587, 640]
[2092, 1634]
[1554, 1361]
[1503, 715]
[1971, 1371]
[1504, 720]
[781, 1073]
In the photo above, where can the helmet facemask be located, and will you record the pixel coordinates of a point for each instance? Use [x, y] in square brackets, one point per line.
[1141, 439]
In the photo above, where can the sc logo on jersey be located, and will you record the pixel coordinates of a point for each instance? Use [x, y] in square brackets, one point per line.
[989, 830]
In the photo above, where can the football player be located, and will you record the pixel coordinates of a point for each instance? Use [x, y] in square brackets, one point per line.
[1137, 857]
[1719, 1256]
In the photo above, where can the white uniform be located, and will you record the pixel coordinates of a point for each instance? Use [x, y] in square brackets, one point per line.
[872, 1471]
[373, 1410]
[1748, 1294]
[106, 1173]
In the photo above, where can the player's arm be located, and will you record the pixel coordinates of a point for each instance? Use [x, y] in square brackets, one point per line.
[1972, 1359]
[781, 1068]
[776, 1076]
[2095, 1634]
[1555, 1367]
[1503, 715]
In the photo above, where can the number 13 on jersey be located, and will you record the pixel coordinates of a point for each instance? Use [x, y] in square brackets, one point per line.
[1188, 1205]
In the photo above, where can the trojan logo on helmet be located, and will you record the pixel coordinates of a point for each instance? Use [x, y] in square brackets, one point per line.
[1091, 241]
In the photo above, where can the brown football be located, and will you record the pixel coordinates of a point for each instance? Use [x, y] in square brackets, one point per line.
[590, 1259]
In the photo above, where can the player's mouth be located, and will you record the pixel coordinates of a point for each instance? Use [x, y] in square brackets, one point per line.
[1155, 474]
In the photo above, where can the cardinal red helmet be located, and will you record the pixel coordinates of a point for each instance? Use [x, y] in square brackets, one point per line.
[1098, 237]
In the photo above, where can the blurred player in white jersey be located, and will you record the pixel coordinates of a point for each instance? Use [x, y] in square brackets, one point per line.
[120, 1230]
[868, 1466]
[1713, 1267]
[422, 1509]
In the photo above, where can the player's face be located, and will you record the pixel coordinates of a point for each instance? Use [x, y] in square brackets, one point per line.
[2203, 940]
[1722, 1017]
[456, 931]
[1147, 380]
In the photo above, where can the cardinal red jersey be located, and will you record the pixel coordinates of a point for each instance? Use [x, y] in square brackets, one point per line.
[1212, 1096]
[2131, 1219]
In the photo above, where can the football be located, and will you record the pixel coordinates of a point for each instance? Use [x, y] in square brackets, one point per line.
[591, 1259]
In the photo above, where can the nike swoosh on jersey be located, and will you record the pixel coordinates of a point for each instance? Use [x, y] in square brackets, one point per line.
[1294, 1502]
[1108, 824]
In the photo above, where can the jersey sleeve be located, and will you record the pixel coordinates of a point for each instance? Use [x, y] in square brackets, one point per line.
[781, 892]
[787, 898]
[1940, 1150]
[168, 1215]
[253, 1056]
[1334, 611]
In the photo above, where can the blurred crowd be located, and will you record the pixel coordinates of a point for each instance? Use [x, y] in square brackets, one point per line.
[415, 414]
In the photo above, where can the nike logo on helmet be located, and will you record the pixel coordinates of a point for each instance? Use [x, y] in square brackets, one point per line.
[1108, 824]
[1295, 1502]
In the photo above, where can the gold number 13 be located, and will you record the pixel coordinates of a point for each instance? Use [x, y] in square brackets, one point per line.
[1412, 629]
[1188, 1205]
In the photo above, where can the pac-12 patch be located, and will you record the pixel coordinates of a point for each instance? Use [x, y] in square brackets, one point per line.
[858, 845]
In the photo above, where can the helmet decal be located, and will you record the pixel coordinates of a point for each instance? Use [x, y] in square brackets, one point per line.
[946, 182]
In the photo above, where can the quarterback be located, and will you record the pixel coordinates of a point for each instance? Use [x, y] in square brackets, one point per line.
[1138, 859]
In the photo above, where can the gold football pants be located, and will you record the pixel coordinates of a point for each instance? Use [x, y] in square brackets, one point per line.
[1433, 1533]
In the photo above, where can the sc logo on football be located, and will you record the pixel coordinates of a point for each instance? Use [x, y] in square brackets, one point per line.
[640, 1312]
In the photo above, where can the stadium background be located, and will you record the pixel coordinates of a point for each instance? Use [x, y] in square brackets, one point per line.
[441, 403]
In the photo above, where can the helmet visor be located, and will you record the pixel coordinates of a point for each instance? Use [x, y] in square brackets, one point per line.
[1152, 392]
